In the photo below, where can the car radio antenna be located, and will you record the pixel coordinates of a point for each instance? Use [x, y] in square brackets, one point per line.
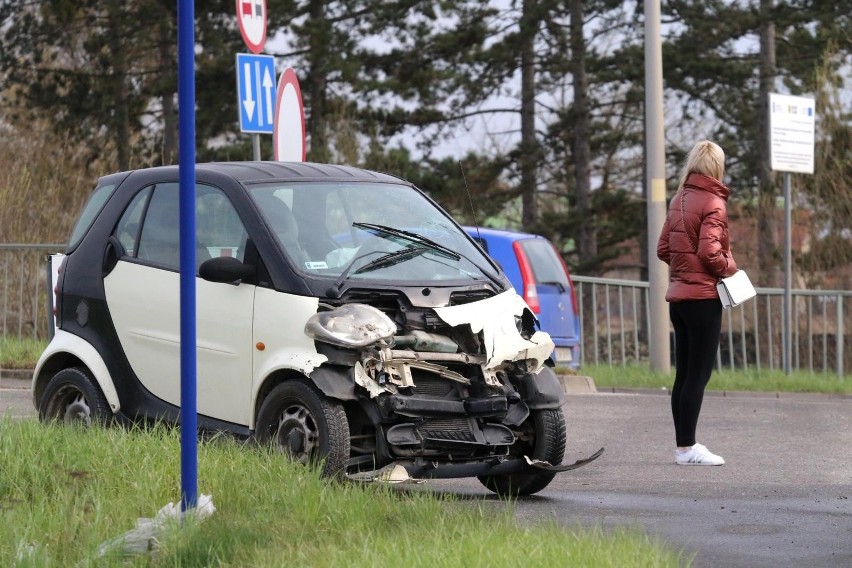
[472, 210]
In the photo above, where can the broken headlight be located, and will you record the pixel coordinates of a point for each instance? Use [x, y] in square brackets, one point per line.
[350, 325]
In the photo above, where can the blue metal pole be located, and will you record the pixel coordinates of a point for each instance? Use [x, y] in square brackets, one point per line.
[186, 120]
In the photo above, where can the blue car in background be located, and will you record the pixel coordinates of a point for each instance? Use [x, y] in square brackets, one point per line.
[538, 273]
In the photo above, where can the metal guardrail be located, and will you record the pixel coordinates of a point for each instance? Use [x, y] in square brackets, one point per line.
[614, 324]
[613, 318]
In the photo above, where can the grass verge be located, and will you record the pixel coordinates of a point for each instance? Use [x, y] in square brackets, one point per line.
[640, 376]
[18, 353]
[65, 491]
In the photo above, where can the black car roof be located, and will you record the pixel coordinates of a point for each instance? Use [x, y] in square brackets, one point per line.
[257, 172]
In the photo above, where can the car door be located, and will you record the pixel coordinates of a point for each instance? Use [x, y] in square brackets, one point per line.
[143, 298]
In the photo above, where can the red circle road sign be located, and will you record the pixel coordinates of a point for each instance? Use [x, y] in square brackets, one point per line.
[251, 15]
[288, 131]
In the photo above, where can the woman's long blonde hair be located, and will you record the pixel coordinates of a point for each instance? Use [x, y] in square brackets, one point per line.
[706, 158]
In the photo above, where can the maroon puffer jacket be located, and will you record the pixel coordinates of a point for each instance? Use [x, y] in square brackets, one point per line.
[695, 244]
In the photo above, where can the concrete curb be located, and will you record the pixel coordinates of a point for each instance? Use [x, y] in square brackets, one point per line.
[15, 378]
[735, 394]
[577, 384]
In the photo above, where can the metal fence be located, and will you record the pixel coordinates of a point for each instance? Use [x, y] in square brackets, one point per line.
[24, 288]
[614, 322]
[613, 318]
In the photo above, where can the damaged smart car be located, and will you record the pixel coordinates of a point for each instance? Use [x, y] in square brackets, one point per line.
[341, 315]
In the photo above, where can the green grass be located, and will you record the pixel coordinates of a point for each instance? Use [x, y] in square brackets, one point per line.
[640, 376]
[65, 491]
[20, 353]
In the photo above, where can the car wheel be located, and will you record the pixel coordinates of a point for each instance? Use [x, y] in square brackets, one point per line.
[542, 437]
[73, 397]
[306, 426]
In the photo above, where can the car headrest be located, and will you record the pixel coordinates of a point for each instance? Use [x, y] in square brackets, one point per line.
[279, 216]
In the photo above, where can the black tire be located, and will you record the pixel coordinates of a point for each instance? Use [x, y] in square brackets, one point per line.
[306, 426]
[542, 438]
[73, 397]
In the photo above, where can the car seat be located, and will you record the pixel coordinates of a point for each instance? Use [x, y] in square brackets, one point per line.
[283, 224]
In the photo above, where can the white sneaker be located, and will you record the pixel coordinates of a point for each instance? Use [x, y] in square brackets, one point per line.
[698, 455]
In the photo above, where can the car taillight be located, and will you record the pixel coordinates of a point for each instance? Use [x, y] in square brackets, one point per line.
[530, 292]
[574, 301]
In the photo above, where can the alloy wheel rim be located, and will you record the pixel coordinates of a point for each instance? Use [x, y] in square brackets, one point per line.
[73, 407]
[297, 434]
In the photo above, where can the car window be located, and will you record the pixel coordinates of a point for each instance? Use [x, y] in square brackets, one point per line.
[546, 265]
[128, 227]
[93, 206]
[219, 230]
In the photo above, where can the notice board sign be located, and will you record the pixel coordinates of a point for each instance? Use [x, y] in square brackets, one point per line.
[792, 123]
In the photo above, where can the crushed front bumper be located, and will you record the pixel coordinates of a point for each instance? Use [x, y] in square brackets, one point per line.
[411, 472]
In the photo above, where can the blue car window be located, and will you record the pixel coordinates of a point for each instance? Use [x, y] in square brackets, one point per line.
[546, 265]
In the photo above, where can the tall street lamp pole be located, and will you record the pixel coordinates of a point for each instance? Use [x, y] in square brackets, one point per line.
[658, 332]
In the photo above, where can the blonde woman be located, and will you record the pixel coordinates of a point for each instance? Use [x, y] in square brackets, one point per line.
[694, 243]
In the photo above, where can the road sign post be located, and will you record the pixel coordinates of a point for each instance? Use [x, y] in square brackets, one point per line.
[251, 16]
[792, 126]
[256, 96]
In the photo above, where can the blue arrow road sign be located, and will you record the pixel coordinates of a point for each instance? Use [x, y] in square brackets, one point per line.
[256, 92]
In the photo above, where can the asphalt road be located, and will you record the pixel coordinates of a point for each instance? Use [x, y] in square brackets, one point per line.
[784, 497]
[15, 398]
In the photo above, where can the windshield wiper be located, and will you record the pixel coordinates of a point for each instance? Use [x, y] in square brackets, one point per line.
[391, 258]
[559, 285]
[334, 291]
[383, 261]
[409, 236]
[420, 239]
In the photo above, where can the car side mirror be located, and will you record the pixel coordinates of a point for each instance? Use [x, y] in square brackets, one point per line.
[225, 269]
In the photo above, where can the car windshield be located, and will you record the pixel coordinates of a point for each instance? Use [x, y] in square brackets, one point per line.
[364, 231]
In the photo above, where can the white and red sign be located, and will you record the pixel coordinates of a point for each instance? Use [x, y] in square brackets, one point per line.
[288, 132]
[251, 15]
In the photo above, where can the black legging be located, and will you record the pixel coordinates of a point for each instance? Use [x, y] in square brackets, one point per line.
[697, 326]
